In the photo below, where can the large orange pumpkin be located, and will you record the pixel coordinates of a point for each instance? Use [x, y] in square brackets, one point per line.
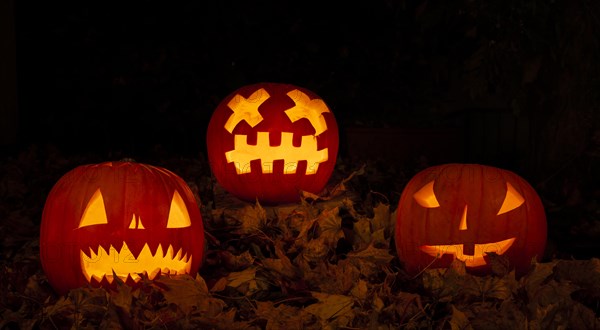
[268, 141]
[119, 218]
[464, 211]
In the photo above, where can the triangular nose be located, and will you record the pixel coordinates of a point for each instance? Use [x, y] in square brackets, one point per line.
[463, 220]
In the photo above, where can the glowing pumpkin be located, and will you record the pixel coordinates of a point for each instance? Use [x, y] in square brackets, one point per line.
[465, 211]
[268, 141]
[120, 218]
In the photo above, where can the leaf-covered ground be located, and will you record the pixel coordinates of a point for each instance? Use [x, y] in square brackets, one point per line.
[327, 262]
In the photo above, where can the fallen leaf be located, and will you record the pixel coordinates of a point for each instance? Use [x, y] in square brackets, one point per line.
[284, 316]
[381, 218]
[447, 284]
[244, 281]
[331, 307]
[220, 285]
[190, 295]
[371, 260]
[585, 273]
[251, 218]
[362, 233]
[280, 266]
[459, 320]
[315, 250]
[330, 226]
[378, 303]
[360, 290]
[378, 239]
[487, 287]
[334, 279]
[236, 262]
[499, 263]
[122, 299]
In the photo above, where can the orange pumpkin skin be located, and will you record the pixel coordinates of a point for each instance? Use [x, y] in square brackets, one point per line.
[131, 215]
[476, 209]
[273, 116]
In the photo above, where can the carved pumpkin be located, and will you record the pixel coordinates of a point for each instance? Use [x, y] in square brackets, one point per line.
[268, 141]
[465, 211]
[121, 218]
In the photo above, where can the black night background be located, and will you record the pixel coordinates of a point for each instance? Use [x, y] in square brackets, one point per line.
[412, 84]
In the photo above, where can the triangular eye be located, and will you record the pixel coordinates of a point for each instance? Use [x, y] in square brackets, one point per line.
[178, 214]
[426, 197]
[94, 213]
[512, 200]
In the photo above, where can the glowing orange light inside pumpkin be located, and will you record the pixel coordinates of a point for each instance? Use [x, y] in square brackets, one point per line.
[426, 198]
[101, 263]
[474, 260]
[512, 200]
[94, 213]
[246, 109]
[123, 263]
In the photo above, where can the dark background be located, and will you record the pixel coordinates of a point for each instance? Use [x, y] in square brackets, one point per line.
[412, 83]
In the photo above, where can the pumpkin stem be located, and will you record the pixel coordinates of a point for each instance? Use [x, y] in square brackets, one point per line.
[127, 159]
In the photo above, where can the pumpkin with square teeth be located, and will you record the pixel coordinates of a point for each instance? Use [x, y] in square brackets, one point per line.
[464, 212]
[121, 219]
[269, 141]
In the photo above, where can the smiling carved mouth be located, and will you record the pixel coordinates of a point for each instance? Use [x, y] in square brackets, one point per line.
[474, 260]
[101, 264]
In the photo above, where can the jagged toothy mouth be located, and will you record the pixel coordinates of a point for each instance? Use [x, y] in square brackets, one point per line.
[100, 264]
[243, 153]
[474, 260]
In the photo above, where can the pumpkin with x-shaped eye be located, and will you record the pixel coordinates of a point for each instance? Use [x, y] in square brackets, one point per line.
[464, 212]
[269, 141]
[119, 218]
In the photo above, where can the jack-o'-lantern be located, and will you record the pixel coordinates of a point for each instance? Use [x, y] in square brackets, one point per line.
[465, 212]
[119, 218]
[269, 141]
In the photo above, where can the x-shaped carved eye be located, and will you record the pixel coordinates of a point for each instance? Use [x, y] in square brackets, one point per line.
[310, 109]
[246, 109]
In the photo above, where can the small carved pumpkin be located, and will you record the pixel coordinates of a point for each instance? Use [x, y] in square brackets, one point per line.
[269, 141]
[465, 211]
[119, 218]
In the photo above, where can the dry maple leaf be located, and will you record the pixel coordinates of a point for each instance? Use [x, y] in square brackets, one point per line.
[370, 260]
[585, 273]
[252, 218]
[332, 310]
[190, 295]
[446, 284]
[316, 250]
[360, 290]
[381, 218]
[362, 233]
[246, 281]
[337, 278]
[330, 226]
[508, 315]
[459, 320]
[487, 287]
[285, 317]
[282, 265]
[236, 262]
[122, 300]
